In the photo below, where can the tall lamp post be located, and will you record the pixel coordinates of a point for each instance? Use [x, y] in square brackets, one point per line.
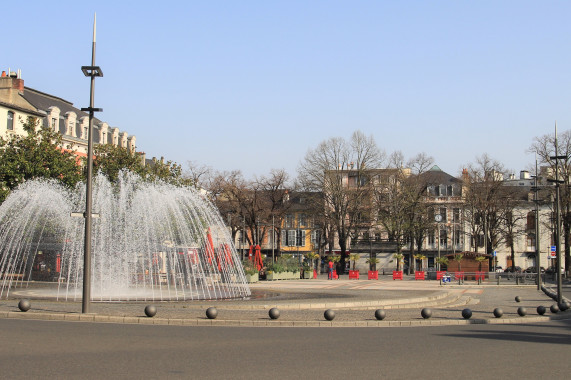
[438, 220]
[535, 189]
[557, 217]
[92, 72]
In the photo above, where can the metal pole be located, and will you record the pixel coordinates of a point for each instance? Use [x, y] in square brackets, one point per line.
[537, 253]
[558, 220]
[438, 242]
[91, 71]
[243, 235]
[273, 239]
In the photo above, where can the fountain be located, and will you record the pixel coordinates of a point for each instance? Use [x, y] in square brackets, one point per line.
[150, 241]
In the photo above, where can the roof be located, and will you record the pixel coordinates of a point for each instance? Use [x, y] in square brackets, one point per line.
[43, 101]
[436, 176]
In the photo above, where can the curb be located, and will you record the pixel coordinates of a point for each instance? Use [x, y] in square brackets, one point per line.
[96, 318]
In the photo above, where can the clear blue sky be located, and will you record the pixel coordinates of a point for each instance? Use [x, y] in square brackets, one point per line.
[252, 85]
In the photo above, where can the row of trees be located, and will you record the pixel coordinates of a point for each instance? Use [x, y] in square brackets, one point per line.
[392, 202]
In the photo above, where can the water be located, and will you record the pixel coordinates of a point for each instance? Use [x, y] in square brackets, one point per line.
[150, 241]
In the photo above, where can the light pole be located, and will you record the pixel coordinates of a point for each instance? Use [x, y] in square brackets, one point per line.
[557, 217]
[438, 219]
[243, 235]
[92, 72]
[536, 201]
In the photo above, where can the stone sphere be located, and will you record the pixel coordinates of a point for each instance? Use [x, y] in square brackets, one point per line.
[522, 311]
[329, 314]
[554, 308]
[211, 313]
[517, 299]
[426, 313]
[541, 310]
[380, 314]
[498, 313]
[274, 313]
[150, 311]
[563, 306]
[24, 305]
[467, 313]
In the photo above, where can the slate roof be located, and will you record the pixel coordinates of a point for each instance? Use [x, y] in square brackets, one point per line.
[43, 101]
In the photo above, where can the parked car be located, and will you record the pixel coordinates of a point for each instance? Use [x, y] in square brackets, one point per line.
[552, 270]
[499, 269]
[510, 269]
[534, 270]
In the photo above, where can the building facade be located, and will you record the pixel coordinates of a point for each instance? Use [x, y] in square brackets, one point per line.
[18, 102]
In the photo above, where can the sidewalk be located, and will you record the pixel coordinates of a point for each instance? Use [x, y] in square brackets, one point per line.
[303, 302]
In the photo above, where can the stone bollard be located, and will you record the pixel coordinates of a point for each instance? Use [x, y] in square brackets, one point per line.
[380, 314]
[329, 314]
[150, 311]
[24, 305]
[467, 313]
[274, 313]
[554, 308]
[426, 313]
[211, 313]
[498, 312]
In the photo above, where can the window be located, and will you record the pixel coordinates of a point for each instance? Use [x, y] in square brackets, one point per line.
[456, 215]
[431, 240]
[291, 238]
[531, 221]
[530, 241]
[289, 220]
[300, 238]
[443, 214]
[315, 237]
[302, 220]
[10, 121]
[54, 124]
[294, 238]
[443, 239]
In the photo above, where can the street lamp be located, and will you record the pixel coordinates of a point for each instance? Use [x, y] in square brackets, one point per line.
[557, 217]
[438, 219]
[535, 190]
[92, 72]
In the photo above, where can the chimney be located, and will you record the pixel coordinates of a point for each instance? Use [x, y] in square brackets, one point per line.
[524, 174]
[11, 80]
[465, 174]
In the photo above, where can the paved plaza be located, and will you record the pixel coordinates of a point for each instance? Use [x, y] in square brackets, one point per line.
[302, 304]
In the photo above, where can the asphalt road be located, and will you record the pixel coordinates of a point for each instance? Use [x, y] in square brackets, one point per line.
[65, 350]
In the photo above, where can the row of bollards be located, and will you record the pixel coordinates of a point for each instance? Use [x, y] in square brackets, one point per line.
[426, 313]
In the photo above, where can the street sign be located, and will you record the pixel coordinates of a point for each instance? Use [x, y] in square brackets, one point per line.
[553, 248]
[495, 253]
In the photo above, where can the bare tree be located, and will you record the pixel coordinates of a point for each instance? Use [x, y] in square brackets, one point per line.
[490, 205]
[338, 168]
[544, 148]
